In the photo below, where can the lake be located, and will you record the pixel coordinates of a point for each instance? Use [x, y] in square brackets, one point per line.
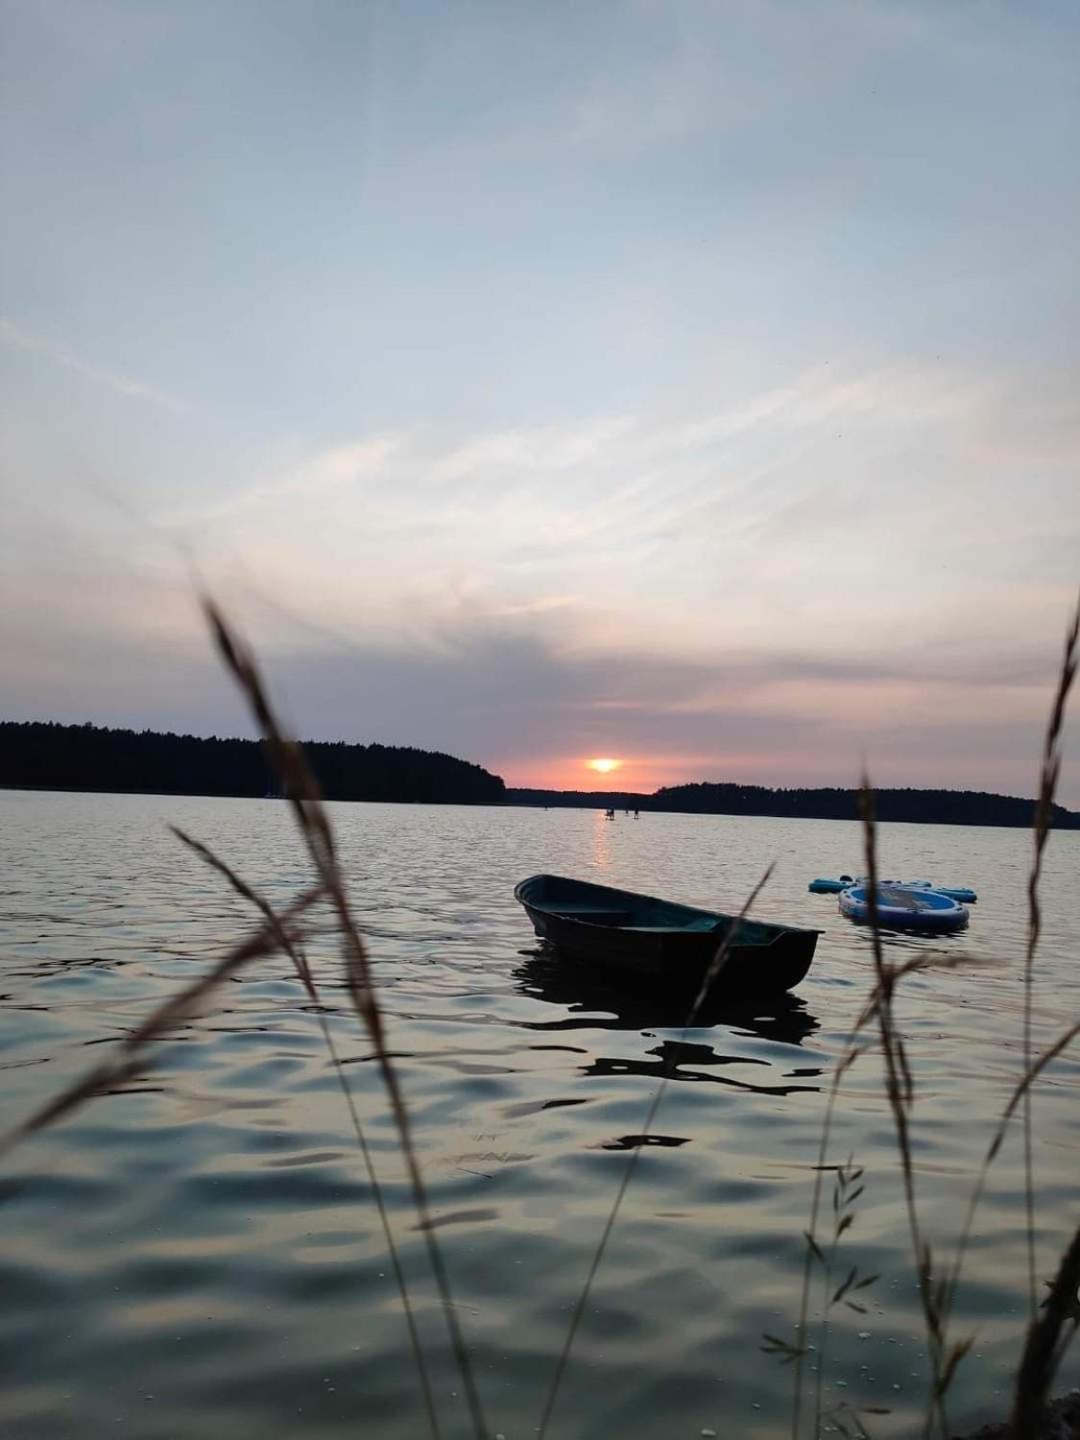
[199, 1254]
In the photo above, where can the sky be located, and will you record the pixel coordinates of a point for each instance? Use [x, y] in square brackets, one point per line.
[686, 383]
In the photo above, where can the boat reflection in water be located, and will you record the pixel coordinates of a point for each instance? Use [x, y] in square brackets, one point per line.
[619, 1004]
[597, 1002]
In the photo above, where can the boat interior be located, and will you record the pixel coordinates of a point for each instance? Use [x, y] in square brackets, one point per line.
[625, 910]
[643, 917]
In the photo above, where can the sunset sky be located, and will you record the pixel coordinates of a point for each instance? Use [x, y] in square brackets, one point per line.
[692, 385]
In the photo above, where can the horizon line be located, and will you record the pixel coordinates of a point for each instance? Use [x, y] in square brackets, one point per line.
[537, 789]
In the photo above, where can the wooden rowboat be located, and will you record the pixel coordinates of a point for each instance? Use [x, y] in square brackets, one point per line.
[657, 939]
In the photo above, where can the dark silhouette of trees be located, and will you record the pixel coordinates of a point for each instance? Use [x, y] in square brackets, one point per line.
[933, 807]
[40, 756]
[926, 807]
[44, 756]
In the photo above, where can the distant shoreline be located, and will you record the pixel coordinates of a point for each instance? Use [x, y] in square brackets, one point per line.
[898, 806]
[582, 800]
[95, 760]
[5, 787]
[36, 755]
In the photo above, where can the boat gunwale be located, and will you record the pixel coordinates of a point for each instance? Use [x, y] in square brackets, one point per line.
[777, 928]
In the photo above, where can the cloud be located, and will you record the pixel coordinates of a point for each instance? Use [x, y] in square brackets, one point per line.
[838, 506]
[498, 690]
[700, 382]
[318, 476]
[508, 697]
[760, 589]
[11, 334]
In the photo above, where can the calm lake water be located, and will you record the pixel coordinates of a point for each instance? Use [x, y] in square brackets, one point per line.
[199, 1255]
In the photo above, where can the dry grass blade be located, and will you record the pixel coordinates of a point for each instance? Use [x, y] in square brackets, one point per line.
[284, 940]
[1043, 1349]
[846, 1192]
[715, 967]
[852, 1051]
[915, 966]
[307, 979]
[1044, 809]
[900, 1092]
[1021, 1089]
[719, 960]
[128, 1057]
[303, 794]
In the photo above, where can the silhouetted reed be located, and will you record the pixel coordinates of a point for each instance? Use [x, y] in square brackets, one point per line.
[301, 790]
[1049, 774]
[279, 933]
[1049, 1333]
[287, 943]
[712, 973]
[129, 1056]
[1047, 1336]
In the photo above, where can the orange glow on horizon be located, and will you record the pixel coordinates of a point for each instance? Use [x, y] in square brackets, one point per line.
[604, 764]
[635, 774]
[638, 774]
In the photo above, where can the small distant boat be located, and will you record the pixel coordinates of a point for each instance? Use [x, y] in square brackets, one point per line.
[905, 907]
[963, 893]
[659, 939]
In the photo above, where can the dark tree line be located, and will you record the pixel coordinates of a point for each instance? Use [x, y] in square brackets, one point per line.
[36, 755]
[40, 756]
[925, 807]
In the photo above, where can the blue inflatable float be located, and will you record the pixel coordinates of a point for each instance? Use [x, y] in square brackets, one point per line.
[963, 893]
[906, 907]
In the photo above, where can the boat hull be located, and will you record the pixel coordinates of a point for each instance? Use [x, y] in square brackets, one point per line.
[674, 956]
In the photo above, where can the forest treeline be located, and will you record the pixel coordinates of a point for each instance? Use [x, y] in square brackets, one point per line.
[37, 755]
[924, 807]
[43, 756]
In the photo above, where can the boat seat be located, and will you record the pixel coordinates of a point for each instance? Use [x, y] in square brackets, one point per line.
[601, 914]
[703, 926]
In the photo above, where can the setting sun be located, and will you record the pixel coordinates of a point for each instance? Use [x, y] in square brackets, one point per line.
[604, 765]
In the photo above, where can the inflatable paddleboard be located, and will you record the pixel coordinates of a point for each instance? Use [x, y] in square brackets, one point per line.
[824, 886]
[911, 907]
